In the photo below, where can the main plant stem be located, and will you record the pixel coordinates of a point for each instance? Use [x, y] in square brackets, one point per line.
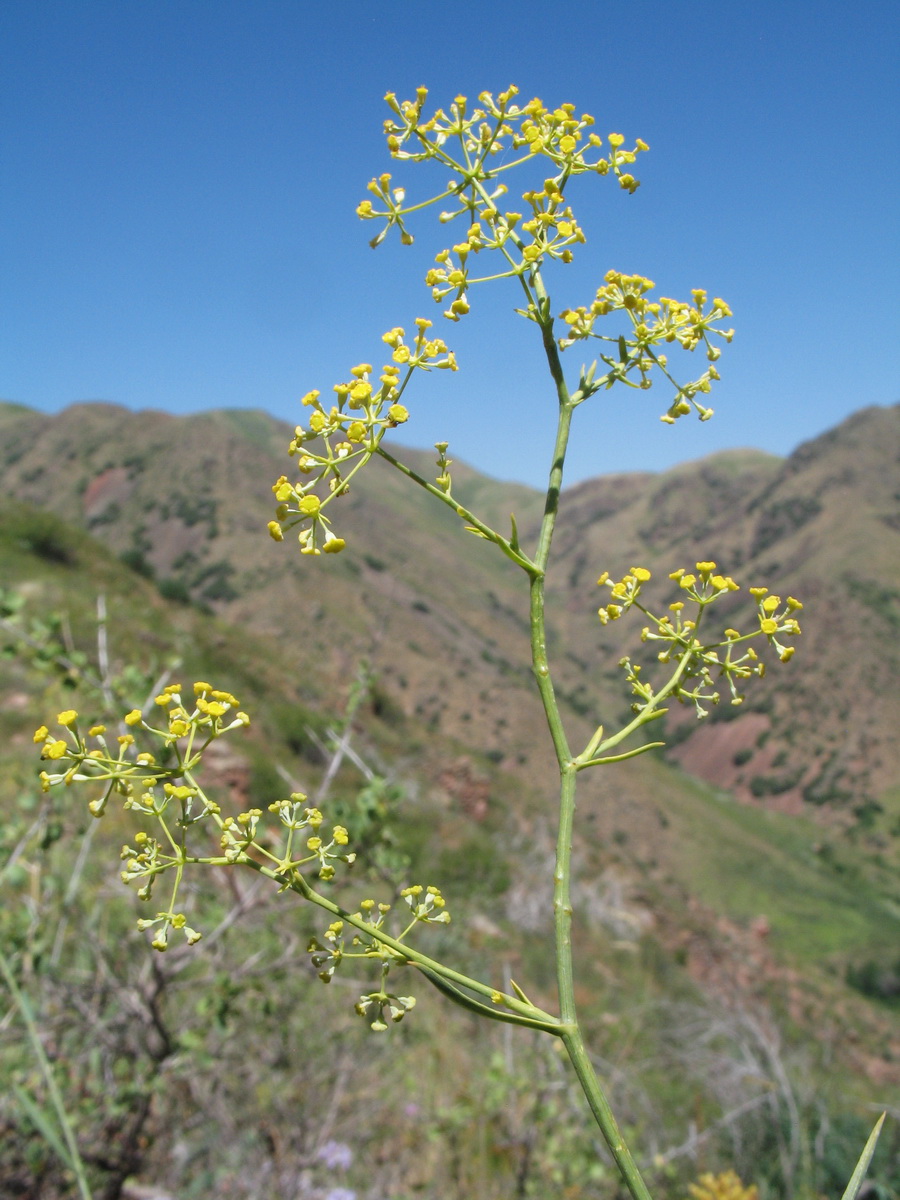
[572, 1037]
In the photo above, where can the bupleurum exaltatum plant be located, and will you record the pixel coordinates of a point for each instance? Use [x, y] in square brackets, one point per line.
[154, 767]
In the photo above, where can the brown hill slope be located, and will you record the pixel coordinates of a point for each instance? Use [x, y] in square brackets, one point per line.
[443, 617]
[444, 622]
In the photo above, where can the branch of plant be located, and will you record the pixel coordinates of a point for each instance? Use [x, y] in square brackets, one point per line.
[446, 497]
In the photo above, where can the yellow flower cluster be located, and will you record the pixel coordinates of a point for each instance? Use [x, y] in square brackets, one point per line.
[625, 593]
[135, 774]
[726, 1186]
[777, 619]
[349, 433]
[240, 832]
[552, 228]
[654, 323]
[427, 906]
[192, 720]
[498, 125]
[488, 139]
[211, 705]
[383, 1004]
[699, 662]
[145, 860]
[326, 958]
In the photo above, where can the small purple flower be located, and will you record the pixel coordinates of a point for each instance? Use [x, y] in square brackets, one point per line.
[336, 1156]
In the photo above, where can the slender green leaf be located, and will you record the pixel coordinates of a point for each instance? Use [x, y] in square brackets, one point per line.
[72, 1159]
[42, 1123]
[864, 1159]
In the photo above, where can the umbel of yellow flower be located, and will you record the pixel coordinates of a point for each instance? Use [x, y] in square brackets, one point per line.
[726, 1186]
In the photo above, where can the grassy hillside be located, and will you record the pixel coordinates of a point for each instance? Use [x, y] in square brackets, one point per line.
[688, 901]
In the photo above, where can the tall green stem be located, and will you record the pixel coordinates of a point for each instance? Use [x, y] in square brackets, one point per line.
[603, 1114]
[568, 770]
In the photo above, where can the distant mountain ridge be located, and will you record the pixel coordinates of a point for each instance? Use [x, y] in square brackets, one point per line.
[186, 499]
[756, 905]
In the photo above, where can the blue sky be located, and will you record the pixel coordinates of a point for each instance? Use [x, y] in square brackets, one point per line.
[179, 179]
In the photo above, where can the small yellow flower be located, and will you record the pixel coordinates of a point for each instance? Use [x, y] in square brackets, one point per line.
[68, 717]
[275, 531]
[41, 734]
[181, 792]
[54, 750]
[134, 717]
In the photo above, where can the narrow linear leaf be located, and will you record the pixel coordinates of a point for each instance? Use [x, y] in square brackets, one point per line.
[71, 1158]
[43, 1125]
[865, 1158]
